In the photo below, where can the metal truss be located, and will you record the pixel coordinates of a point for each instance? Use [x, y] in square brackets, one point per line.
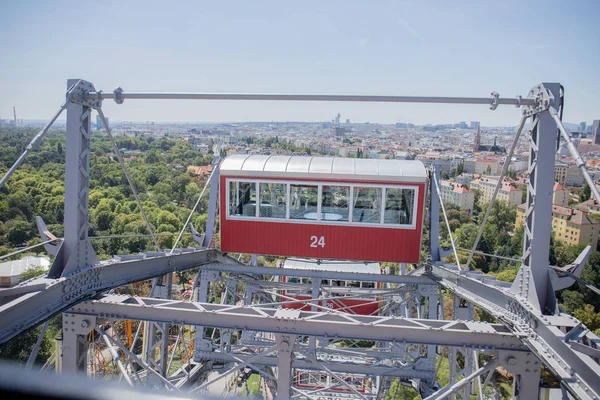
[471, 334]
[564, 344]
[34, 302]
[398, 331]
[408, 332]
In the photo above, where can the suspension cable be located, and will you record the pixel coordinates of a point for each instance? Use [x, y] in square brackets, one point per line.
[446, 219]
[120, 158]
[496, 190]
[193, 209]
[32, 145]
[575, 153]
[576, 278]
[133, 236]
[489, 255]
[28, 248]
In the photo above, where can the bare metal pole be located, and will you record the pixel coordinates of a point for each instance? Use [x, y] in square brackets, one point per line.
[175, 349]
[446, 219]
[32, 145]
[117, 358]
[119, 95]
[573, 150]
[120, 158]
[28, 248]
[193, 210]
[137, 359]
[36, 348]
[448, 390]
[335, 376]
[496, 190]
[242, 364]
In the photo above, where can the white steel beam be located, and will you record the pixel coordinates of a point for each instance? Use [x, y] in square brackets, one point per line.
[238, 268]
[472, 334]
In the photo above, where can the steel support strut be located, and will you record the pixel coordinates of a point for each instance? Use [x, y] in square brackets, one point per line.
[76, 253]
[533, 280]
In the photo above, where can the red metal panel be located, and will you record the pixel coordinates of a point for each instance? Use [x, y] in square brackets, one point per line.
[347, 305]
[340, 242]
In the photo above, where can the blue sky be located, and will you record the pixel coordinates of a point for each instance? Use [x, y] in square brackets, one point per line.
[445, 48]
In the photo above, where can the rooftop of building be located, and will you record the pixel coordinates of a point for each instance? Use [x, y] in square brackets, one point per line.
[17, 267]
[508, 184]
[457, 187]
[559, 187]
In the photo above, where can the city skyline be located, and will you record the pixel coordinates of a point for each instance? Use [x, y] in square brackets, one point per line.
[462, 49]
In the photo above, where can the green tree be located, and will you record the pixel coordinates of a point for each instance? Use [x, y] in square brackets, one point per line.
[588, 316]
[32, 273]
[460, 168]
[585, 193]
[444, 175]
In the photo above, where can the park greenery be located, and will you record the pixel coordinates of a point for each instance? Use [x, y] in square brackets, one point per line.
[157, 166]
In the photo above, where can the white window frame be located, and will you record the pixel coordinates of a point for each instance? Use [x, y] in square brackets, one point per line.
[319, 185]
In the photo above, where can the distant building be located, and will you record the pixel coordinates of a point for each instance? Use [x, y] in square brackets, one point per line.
[477, 146]
[402, 155]
[444, 164]
[560, 173]
[589, 206]
[457, 194]
[474, 125]
[574, 176]
[99, 125]
[202, 171]
[560, 196]
[466, 178]
[488, 166]
[582, 127]
[571, 226]
[348, 151]
[11, 271]
[508, 192]
[596, 131]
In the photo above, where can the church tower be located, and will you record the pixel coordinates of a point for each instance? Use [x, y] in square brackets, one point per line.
[477, 140]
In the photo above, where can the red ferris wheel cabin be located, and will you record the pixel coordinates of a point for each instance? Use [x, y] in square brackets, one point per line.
[322, 207]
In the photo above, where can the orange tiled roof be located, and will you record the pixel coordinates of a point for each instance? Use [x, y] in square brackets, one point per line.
[204, 170]
[559, 187]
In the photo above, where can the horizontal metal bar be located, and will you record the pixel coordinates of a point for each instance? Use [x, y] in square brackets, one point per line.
[307, 273]
[313, 97]
[479, 335]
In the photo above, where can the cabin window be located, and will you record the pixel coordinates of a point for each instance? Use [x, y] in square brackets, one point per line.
[399, 206]
[366, 205]
[367, 285]
[334, 203]
[242, 199]
[303, 201]
[273, 199]
[323, 203]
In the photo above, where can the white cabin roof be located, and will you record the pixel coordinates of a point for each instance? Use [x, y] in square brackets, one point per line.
[324, 167]
[368, 268]
[17, 267]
